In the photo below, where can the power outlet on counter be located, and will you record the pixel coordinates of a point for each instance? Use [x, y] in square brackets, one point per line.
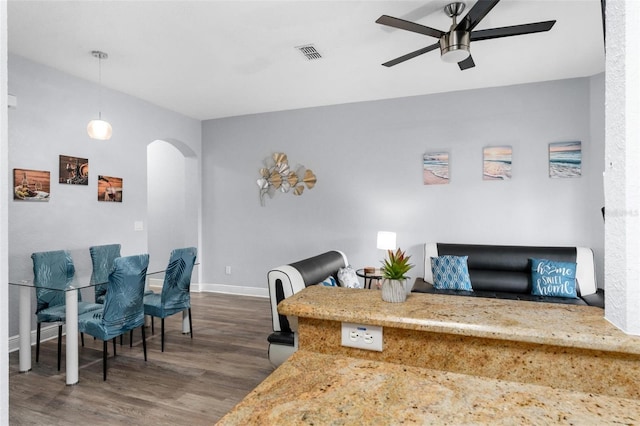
[368, 337]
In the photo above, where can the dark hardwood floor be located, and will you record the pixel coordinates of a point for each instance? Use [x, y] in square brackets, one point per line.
[194, 382]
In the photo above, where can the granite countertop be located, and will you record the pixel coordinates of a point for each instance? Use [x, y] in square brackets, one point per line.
[533, 322]
[319, 389]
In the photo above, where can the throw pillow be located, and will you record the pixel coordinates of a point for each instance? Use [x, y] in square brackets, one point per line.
[550, 278]
[329, 282]
[348, 278]
[451, 273]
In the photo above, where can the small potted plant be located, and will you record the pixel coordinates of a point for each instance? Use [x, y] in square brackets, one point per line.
[394, 276]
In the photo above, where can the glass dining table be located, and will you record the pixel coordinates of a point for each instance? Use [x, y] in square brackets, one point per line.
[78, 283]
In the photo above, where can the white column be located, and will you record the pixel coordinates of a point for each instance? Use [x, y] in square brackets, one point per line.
[622, 173]
[72, 336]
[25, 328]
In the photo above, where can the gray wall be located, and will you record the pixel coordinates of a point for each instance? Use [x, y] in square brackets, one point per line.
[51, 119]
[368, 160]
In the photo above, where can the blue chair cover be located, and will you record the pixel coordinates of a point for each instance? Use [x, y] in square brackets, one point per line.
[123, 306]
[52, 272]
[175, 296]
[102, 258]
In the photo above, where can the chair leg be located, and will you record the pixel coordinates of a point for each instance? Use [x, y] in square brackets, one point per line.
[131, 339]
[121, 340]
[144, 343]
[114, 347]
[38, 342]
[190, 324]
[60, 345]
[104, 360]
[82, 339]
[162, 339]
[152, 331]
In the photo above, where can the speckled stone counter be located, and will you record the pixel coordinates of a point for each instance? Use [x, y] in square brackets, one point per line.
[564, 346]
[319, 389]
[448, 360]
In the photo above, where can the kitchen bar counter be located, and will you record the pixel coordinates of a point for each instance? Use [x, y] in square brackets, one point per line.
[448, 359]
[533, 322]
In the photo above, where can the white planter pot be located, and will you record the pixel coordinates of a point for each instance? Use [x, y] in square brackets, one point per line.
[394, 291]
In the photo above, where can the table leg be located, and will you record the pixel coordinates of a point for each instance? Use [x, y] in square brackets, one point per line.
[185, 322]
[72, 336]
[25, 329]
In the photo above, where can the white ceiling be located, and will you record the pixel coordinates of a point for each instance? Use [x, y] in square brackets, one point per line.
[211, 59]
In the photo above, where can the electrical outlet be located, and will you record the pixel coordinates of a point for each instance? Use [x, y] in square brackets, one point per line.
[368, 337]
[227, 270]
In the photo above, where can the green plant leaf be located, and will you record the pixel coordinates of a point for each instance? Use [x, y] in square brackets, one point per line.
[396, 265]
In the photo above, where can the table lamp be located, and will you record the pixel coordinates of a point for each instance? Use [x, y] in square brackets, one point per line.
[386, 240]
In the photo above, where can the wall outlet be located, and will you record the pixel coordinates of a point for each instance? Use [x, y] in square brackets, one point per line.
[227, 270]
[368, 337]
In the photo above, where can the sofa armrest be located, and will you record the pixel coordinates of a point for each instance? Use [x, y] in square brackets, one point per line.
[595, 299]
[284, 281]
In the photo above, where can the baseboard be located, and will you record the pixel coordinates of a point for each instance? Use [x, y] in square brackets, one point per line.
[156, 282]
[46, 333]
[231, 289]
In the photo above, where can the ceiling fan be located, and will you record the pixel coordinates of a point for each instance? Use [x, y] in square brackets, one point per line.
[454, 44]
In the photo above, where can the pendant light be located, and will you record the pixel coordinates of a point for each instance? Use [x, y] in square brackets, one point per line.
[99, 129]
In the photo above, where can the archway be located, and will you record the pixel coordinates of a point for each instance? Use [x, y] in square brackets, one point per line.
[172, 201]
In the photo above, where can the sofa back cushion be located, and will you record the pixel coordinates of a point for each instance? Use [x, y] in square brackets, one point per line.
[501, 268]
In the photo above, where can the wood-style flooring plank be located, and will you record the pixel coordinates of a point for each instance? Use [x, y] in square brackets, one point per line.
[193, 382]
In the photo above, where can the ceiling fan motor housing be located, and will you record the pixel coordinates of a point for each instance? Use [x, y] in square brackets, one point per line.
[454, 46]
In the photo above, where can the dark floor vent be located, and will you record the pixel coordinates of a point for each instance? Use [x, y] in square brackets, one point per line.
[309, 52]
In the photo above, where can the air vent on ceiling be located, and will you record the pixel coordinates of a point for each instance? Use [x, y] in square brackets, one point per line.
[309, 52]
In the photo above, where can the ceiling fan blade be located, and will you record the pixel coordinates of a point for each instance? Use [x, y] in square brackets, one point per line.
[408, 26]
[514, 30]
[476, 14]
[466, 64]
[411, 55]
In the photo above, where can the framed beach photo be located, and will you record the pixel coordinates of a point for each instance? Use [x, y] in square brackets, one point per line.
[496, 162]
[435, 168]
[565, 159]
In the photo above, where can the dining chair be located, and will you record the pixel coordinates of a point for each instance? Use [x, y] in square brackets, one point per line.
[175, 296]
[123, 309]
[102, 261]
[52, 273]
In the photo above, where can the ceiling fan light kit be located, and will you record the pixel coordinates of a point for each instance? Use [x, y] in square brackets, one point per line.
[455, 44]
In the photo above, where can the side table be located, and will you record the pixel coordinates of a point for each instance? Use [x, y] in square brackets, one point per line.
[369, 276]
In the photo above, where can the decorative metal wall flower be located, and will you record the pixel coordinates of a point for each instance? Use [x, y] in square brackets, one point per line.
[278, 176]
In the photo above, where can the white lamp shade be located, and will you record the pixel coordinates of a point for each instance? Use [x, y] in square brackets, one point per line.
[386, 240]
[454, 56]
[99, 129]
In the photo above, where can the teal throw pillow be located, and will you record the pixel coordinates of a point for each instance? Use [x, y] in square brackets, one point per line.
[550, 278]
[329, 282]
[451, 273]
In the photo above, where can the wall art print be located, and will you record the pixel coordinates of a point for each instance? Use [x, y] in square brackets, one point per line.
[31, 185]
[109, 188]
[435, 168]
[565, 159]
[496, 162]
[73, 170]
[278, 176]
